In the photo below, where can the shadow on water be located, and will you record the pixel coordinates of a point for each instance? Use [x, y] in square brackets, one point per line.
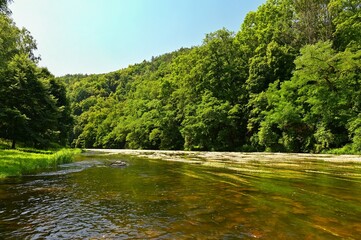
[155, 199]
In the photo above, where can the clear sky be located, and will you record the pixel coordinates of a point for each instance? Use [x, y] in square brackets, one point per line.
[99, 36]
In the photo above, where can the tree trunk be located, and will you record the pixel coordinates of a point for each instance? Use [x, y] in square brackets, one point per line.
[13, 144]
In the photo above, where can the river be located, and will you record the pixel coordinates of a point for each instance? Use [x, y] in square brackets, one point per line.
[177, 195]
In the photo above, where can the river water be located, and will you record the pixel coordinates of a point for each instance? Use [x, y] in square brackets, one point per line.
[156, 199]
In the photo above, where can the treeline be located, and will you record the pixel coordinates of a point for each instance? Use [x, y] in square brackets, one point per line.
[288, 81]
[34, 109]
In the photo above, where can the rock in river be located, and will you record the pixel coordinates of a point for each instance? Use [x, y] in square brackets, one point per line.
[118, 164]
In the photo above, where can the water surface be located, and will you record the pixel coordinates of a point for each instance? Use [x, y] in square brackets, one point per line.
[155, 199]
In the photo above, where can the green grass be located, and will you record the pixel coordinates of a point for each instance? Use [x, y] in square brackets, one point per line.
[25, 161]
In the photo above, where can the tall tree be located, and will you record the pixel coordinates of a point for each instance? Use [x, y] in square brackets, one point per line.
[313, 21]
[33, 106]
[319, 107]
[29, 113]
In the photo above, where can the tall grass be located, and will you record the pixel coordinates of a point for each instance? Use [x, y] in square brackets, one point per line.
[64, 156]
[20, 162]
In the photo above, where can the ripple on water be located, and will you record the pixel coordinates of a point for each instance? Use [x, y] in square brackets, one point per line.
[172, 200]
[68, 168]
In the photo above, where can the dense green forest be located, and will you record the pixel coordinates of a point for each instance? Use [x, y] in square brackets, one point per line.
[34, 109]
[289, 80]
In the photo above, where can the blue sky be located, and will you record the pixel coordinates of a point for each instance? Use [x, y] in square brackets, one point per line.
[99, 36]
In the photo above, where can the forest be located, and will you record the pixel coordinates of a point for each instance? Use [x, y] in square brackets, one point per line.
[288, 81]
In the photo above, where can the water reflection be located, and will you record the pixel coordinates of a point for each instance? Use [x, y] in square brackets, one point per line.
[154, 199]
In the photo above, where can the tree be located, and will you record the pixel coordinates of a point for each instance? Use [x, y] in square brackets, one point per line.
[57, 90]
[218, 77]
[313, 21]
[29, 112]
[267, 42]
[4, 6]
[347, 23]
[213, 126]
[319, 107]
[34, 108]
[9, 36]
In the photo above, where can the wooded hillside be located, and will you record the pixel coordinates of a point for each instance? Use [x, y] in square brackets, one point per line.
[288, 81]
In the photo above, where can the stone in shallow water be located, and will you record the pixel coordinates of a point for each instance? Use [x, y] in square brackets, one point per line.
[118, 164]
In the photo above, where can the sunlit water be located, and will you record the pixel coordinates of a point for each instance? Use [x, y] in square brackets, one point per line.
[155, 199]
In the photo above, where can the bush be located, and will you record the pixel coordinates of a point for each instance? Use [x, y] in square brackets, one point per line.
[347, 149]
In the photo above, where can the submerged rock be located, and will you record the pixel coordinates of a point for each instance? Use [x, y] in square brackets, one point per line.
[118, 164]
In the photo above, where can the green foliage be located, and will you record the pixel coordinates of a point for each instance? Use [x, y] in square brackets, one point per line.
[324, 138]
[320, 105]
[347, 149]
[354, 129]
[212, 127]
[347, 23]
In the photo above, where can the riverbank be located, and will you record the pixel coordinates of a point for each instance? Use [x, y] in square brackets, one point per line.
[25, 161]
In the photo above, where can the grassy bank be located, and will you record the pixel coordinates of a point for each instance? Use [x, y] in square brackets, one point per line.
[25, 161]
